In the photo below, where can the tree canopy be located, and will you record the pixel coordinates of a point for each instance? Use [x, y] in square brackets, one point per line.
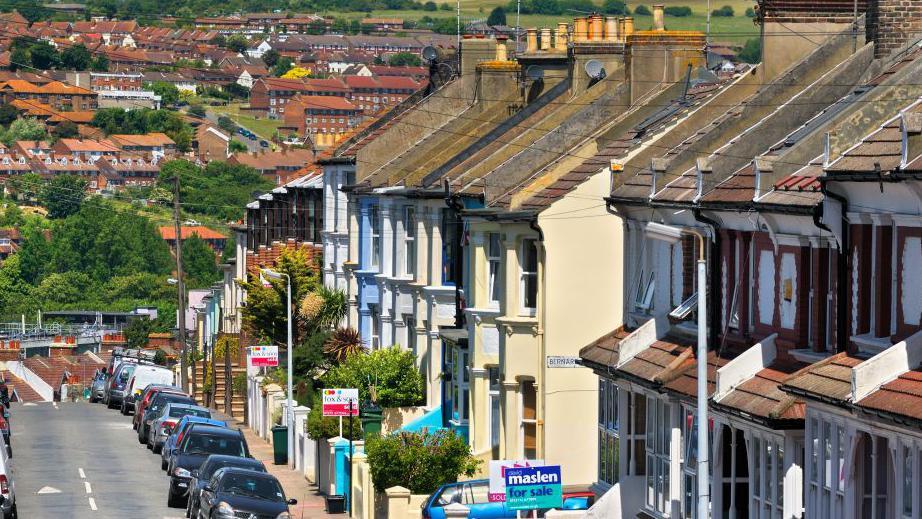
[404, 59]
[220, 189]
[63, 195]
[199, 263]
[145, 120]
[497, 16]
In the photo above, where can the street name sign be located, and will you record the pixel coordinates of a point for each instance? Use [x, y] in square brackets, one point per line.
[562, 361]
[532, 488]
[264, 356]
[336, 402]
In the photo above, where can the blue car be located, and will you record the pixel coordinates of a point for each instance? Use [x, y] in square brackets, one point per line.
[472, 494]
[170, 443]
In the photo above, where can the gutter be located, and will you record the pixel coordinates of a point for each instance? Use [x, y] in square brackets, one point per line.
[842, 266]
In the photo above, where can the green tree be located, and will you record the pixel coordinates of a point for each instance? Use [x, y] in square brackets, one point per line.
[421, 462]
[497, 16]
[20, 58]
[750, 12]
[197, 110]
[16, 293]
[237, 43]
[282, 66]
[44, 56]
[63, 195]
[752, 51]
[137, 333]
[76, 57]
[642, 10]
[168, 92]
[100, 63]
[235, 146]
[25, 129]
[615, 7]
[220, 190]
[198, 262]
[403, 59]
[679, 11]
[430, 6]
[26, 187]
[392, 371]
[724, 12]
[271, 57]
[227, 124]
[65, 289]
[65, 130]
[8, 114]
[12, 216]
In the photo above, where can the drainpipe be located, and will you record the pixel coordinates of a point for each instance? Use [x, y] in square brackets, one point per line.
[451, 200]
[842, 277]
[714, 307]
[542, 340]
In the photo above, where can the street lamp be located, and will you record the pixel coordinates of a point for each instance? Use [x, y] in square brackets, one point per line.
[671, 235]
[272, 274]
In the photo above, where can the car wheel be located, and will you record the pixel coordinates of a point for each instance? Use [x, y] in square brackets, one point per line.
[173, 501]
[162, 464]
[157, 448]
[122, 410]
[141, 435]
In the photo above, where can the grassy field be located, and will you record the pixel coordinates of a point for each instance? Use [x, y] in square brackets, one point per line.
[738, 28]
[265, 128]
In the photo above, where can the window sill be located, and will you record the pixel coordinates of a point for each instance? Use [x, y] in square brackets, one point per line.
[867, 343]
[809, 356]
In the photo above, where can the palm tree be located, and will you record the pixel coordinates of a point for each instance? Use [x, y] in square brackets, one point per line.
[343, 343]
[322, 310]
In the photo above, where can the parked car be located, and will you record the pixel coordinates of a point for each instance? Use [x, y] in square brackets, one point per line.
[472, 494]
[142, 377]
[146, 396]
[7, 486]
[196, 446]
[179, 430]
[7, 432]
[156, 408]
[115, 389]
[264, 144]
[98, 388]
[163, 425]
[236, 492]
[211, 465]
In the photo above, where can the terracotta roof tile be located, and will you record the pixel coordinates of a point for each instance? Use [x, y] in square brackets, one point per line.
[604, 350]
[168, 232]
[829, 379]
[901, 397]
[761, 396]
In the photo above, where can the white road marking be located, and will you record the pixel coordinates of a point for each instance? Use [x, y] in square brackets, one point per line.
[82, 474]
[29, 404]
[89, 489]
[93, 504]
[48, 490]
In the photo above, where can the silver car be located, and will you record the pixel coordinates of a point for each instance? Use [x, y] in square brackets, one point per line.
[98, 389]
[162, 426]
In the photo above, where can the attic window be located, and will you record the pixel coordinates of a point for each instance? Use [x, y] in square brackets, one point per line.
[47, 160]
[22, 160]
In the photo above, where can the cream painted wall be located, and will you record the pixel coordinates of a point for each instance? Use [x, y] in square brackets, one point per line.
[583, 301]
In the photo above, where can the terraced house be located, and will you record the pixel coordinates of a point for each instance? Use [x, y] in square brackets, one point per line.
[810, 331]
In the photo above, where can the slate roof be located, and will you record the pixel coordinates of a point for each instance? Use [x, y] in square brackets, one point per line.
[801, 188]
[735, 189]
[828, 380]
[881, 148]
[899, 398]
[761, 396]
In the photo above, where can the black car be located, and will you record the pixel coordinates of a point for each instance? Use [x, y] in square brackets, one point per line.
[156, 407]
[211, 465]
[196, 446]
[233, 492]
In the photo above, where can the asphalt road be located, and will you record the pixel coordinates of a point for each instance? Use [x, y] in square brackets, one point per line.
[251, 144]
[80, 460]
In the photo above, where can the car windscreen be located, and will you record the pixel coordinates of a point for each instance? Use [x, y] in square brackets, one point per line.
[212, 444]
[162, 400]
[213, 467]
[251, 485]
[125, 374]
[179, 412]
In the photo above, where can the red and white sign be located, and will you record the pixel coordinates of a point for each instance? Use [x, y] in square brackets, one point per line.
[336, 402]
[497, 490]
[264, 356]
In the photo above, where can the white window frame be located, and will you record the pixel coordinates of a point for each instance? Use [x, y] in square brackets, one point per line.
[766, 469]
[608, 429]
[495, 401]
[825, 502]
[409, 241]
[658, 440]
[460, 380]
[527, 421]
[374, 232]
[526, 276]
[494, 268]
[689, 463]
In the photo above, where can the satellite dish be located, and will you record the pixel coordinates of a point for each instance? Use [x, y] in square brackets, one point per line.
[534, 73]
[594, 69]
[430, 53]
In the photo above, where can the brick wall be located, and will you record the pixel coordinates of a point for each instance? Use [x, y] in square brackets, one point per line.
[267, 256]
[891, 23]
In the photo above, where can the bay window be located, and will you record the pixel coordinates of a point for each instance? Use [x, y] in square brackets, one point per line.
[494, 260]
[374, 230]
[768, 476]
[409, 239]
[608, 431]
[494, 395]
[528, 285]
[826, 469]
[658, 437]
[529, 420]
[460, 384]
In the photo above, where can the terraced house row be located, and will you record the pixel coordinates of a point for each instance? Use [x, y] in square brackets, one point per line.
[531, 228]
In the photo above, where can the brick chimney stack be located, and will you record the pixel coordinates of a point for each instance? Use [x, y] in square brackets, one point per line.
[891, 23]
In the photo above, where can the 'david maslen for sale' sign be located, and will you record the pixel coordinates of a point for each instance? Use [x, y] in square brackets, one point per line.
[532, 488]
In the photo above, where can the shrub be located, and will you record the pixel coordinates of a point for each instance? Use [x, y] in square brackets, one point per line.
[319, 426]
[392, 371]
[421, 462]
[750, 12]
[642, 10]
[678, 11]
[752, 51]
[615, 7]
[724, 12]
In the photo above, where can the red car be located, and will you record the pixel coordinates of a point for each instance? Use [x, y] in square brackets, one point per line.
[149, 393]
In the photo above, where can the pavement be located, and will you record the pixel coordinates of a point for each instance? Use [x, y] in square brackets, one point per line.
[81, 460]
[311, 504]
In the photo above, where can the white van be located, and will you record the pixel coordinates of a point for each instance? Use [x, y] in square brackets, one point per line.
[142, 377]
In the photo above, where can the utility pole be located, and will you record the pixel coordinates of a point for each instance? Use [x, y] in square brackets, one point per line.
[181, 293]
